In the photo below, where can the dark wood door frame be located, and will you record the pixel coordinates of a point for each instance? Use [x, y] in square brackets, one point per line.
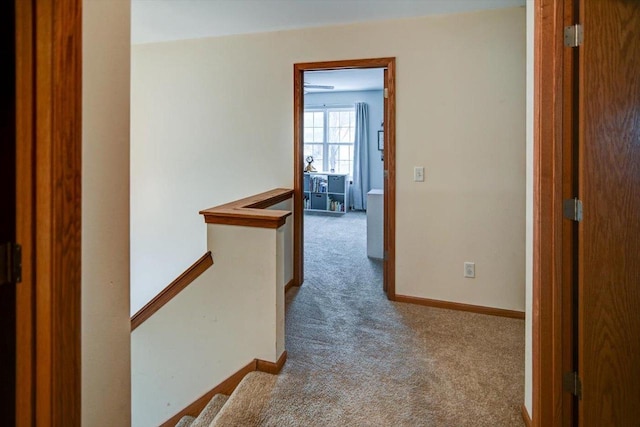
[48, 203]
[389, 162]
[553, 165]
[7, 212]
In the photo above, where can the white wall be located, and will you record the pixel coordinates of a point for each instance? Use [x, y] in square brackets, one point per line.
[375, 100]
[461, 115]
[212, 120]
[528, 368]
[287, 251]
[106, 386]
[231, 314]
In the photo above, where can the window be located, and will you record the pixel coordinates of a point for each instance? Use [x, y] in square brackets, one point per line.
[329, 134]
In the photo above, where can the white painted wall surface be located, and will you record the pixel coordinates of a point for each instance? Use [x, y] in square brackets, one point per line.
[374, 98]
[212, 120]
[528, 354]
[461, 115]
[105, 335]
[231, 314]
[287, 232]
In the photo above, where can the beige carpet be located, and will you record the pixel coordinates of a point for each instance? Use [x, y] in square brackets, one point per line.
[356, 359]
[210, 411]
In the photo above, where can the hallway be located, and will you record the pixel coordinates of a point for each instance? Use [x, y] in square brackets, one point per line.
[357, 359]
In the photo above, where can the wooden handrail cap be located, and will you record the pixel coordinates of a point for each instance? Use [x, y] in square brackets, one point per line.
[251, 211]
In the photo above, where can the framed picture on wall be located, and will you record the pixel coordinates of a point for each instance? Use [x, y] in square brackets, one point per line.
[380, 140]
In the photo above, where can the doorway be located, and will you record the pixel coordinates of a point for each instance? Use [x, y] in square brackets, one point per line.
[388, 142]
[343, 179]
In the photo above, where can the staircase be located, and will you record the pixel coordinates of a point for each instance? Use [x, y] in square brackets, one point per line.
[245, 407]
[234, 311]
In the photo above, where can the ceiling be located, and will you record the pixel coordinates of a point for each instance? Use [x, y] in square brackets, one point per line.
[165, 20]
[345, 80]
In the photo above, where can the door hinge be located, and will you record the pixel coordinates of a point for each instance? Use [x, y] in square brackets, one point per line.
[571, 382]
[385, 256]
[572, 209]
[386, 92]
[385, 173]
[10, 263]
[573, 35]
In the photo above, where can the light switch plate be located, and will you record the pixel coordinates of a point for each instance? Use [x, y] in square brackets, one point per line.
[418, 173]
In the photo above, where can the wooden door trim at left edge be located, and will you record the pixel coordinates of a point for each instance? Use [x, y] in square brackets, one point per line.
[49, 84]
[25, 349]
[547, 313]
[389, 160]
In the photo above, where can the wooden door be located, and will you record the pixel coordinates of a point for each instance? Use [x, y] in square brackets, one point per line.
[389, 178]
[609, 234]
[47, 139]
[7, 213]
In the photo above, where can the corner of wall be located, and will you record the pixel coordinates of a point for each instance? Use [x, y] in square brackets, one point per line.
[528, 370]
[105, 335]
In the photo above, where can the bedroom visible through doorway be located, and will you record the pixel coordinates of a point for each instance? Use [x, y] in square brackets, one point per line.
[340, 174]
[343, 116]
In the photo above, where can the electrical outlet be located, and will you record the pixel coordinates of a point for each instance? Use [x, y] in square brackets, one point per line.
[418, 173]
[470, 269]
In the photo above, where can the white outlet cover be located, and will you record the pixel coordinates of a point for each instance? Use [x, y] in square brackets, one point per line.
[469, 269]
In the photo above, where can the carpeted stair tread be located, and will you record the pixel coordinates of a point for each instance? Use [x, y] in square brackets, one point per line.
[185, 421]
[248, 403]
[210, 411]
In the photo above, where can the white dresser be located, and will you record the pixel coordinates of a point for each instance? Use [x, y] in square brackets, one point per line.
[375, 224]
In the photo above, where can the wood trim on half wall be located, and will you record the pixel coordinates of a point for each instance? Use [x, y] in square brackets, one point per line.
[227, 387]
[174, 288]
[251, 211]
[271, 367]
[389, 162]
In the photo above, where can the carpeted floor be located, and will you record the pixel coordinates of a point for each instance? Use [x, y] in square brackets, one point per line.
[357, 359]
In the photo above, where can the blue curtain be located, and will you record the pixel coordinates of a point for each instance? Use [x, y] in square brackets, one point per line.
[360, 186]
